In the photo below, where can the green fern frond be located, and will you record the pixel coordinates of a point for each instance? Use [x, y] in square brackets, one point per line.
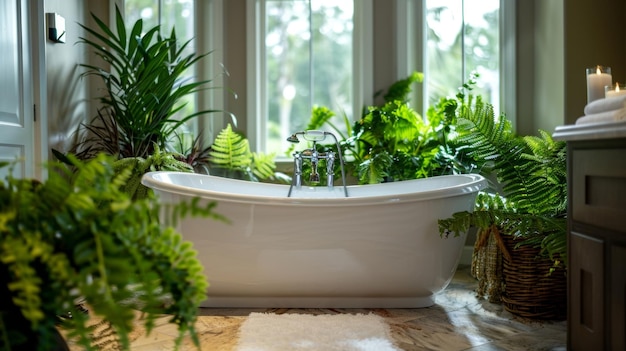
[400, 90]
[547, 166]
[230, 150]
[460, 222]
[162, 160]
[320, 115]
[374, 170]
[130, 170]
[491, 139]
[263, 166]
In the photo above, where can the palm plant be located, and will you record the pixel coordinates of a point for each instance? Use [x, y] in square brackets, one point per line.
[144, 75]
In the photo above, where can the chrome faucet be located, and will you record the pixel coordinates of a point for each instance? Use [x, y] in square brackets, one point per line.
[330, 169]
[314, 156]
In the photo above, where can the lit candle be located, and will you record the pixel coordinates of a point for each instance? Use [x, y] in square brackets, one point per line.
[615, 92]
[597, 79]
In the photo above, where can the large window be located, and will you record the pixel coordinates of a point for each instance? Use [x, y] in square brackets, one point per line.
[302, 53]
[462, 38]
[307, 57]
[306, 60]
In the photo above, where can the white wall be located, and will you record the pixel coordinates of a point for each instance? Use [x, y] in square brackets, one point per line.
[549, 74]
[69, 97]
[593, 34]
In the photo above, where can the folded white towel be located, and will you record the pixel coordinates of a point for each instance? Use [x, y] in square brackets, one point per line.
[603, 117]
[604, 105]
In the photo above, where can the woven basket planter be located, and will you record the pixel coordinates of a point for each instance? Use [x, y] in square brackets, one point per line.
[530, 290]
[518, 277]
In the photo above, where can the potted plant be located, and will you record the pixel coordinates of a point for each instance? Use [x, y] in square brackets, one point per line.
[392, 142]
[76, 240]
[146, 90]
[520, 248]
[144, 105]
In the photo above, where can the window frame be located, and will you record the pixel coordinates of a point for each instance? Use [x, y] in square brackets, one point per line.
[408, 33]
[362, 63]
[210, 21]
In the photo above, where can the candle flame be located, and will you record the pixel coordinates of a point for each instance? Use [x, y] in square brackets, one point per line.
[598, 70]
[616, 87]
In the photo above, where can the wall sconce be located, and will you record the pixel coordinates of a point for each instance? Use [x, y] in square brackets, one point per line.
[56, 27]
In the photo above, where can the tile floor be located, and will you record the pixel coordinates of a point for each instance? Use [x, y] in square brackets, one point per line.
[459, 321]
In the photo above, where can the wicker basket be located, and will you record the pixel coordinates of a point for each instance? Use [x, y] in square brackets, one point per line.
[530, 289]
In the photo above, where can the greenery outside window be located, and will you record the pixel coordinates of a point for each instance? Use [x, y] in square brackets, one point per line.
[301, 53]
[305, 57]
[462, 37]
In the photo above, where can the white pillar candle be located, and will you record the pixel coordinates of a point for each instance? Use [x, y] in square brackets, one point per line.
[597, 79]
[617, 90]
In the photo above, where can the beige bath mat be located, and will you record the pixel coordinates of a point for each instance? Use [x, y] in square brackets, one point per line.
[345, 332]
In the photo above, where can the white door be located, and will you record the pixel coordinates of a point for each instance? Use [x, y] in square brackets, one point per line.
[16, 89]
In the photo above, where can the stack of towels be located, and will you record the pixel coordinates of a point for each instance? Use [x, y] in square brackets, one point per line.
[611, 109]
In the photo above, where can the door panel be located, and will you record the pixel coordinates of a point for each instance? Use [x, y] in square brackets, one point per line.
[16, 98]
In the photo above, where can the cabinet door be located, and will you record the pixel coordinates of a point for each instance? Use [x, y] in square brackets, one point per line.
[598, 188]
[586, 293]
[618, 297]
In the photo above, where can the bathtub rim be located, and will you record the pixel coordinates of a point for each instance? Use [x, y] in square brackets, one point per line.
[474, 183]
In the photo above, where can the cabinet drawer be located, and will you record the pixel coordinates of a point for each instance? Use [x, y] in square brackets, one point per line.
[599, 187]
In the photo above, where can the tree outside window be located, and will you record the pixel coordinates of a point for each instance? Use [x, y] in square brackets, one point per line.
[308, 62]
[462, 38]
[307, 54]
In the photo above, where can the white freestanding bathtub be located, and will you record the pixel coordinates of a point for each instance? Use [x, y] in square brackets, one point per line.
[378, 248]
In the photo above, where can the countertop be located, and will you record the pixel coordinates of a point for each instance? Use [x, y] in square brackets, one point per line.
[590, 131]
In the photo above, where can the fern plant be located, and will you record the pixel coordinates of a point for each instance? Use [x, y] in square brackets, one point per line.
[79, 237]
[158, 160]
[393, 142]
[230, 156]
[531, 175]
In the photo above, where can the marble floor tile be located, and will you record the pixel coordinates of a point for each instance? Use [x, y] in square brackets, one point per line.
[458, 321]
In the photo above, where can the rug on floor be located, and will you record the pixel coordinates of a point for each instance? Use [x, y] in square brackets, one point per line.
[345, 332]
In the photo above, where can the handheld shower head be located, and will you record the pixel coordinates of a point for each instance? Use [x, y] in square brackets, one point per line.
[293, 138]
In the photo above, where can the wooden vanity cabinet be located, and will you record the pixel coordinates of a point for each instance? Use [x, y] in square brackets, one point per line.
[596, 269]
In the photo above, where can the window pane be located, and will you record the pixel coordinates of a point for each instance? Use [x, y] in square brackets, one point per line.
[482, 47]
[462, 37]
[148, 10]
[308, 62]
[170, 13]
[178, 14]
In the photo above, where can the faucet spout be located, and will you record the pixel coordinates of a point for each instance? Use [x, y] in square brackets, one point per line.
[315, 156]
[330, 170]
